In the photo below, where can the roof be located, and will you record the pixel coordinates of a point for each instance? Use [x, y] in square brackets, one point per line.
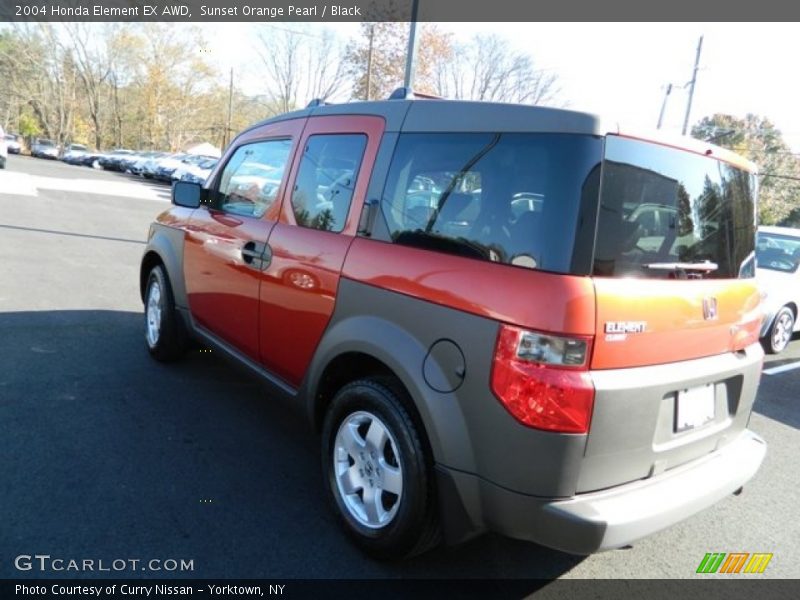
[439, 115]
[458, 116]
[791, 231]
[204, 149]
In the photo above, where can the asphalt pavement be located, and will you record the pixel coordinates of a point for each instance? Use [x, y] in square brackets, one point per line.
[108, 455]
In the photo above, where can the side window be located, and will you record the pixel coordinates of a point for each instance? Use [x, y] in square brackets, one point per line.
[511, 198]
[251, 179]
[325, 181]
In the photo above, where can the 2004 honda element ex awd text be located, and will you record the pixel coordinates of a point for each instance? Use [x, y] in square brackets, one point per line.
[499, 317]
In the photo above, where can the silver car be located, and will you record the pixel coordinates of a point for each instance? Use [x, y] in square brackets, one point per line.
[44, 148]
[3, 150]
[777, 260]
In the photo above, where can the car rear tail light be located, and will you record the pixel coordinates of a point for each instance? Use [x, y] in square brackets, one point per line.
[542, 380]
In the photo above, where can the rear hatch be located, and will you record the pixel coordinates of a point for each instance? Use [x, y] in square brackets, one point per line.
[674, 362]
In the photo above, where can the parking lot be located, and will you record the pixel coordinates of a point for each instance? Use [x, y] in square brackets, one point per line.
[107, 454]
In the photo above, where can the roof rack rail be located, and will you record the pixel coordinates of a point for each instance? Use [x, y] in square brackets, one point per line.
[406, 93]
[318, 102]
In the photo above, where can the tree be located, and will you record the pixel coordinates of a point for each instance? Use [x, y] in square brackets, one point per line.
[487, 68]
[379, 57]
[40, 76]
[757, 139]
[93, 64]
[300, 66]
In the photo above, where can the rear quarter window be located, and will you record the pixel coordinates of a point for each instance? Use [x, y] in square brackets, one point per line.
[513, 198]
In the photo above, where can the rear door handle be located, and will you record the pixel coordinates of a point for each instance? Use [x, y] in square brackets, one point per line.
[257, 255]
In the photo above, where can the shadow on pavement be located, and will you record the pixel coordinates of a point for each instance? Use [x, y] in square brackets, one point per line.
[778, 396]
[109, 455]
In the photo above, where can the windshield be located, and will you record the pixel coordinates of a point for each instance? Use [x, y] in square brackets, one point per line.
[778, 252]
[669, 213]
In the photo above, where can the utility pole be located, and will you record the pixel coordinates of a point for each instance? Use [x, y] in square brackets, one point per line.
[369, 61]
[691, 85]
[413, 43]
[225, 138]
[664, 106]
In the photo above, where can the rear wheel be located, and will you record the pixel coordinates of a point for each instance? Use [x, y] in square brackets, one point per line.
[780, 332]
[378, 472]
[164, 334]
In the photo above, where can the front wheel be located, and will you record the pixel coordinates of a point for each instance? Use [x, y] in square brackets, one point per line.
[378, 472]
[780, 332]
[164, 335]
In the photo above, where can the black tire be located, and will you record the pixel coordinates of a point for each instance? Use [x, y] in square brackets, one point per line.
[780, 330]
[414, 526]
[169, 341]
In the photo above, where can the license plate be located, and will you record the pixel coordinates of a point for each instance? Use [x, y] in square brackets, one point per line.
[694, 407]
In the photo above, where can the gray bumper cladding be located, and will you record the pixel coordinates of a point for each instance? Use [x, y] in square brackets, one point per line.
[618, 516]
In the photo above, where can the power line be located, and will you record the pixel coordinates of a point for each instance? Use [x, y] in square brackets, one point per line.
[777, 176]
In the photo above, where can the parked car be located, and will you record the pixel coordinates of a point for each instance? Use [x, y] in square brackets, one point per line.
[44, 148]
[512, 360]
[90, 159]
[150, 164]
[74, 153]
[190, 169]
[3, 149]
[112, 161]
[166, 166]
[777, 260]
[125, 163]
[13, 144]
[138, 162]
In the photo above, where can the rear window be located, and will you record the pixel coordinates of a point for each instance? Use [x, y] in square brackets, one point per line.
[527, 200]
[671, 213]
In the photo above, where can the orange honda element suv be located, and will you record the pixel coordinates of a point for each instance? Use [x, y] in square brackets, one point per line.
[498, 317]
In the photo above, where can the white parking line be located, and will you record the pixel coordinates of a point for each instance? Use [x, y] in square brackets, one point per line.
[782, 368]
[19, 184]
[24, 184]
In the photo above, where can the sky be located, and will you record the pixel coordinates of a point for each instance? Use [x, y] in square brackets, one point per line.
[620, 70]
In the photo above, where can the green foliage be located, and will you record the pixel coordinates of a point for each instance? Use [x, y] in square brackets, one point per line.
[758, 140]
[28, 127]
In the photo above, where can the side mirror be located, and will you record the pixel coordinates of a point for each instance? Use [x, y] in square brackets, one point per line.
[186, 194]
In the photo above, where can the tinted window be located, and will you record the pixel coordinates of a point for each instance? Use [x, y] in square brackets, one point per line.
[325, 181]
[778, 252]
[671, 213]
[521, 199]
[250, 181]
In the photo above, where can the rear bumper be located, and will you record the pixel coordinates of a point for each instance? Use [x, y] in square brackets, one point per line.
[605, 519]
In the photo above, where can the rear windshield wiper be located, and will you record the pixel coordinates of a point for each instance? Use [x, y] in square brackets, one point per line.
[706, 266]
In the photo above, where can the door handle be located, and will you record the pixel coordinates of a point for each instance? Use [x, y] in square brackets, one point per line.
[257, 255]
[251, 252]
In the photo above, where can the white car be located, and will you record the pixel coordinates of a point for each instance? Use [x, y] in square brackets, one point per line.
[13, 145]
[778, 273]
[3, 149]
